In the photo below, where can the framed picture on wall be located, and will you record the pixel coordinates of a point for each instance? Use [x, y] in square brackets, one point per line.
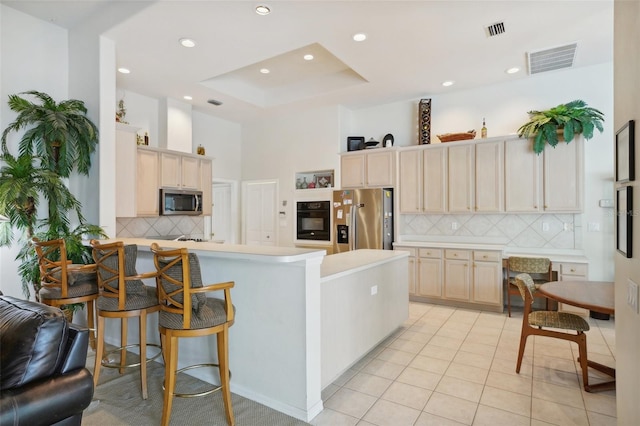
[625, 153]
[624, 222]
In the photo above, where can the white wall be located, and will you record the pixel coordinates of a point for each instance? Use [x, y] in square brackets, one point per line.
[40, 49]
[627, 107]
[279, 147]
[221, 140]
[142, 112]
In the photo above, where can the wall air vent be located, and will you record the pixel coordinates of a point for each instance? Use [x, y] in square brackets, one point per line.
[214, 102]
[552, 59]
[495, 29]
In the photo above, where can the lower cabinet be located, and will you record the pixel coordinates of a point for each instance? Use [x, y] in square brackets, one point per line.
[455, 276]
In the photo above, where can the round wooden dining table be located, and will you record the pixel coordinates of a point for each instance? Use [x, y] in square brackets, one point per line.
[597, 296]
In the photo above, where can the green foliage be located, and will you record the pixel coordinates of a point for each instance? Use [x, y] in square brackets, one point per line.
[58, 139]
[59, 133]
[572, 118]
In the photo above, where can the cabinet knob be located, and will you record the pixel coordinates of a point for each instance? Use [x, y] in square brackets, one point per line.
[535, 207]
[455, 254]
[573, 270]
[484, 257]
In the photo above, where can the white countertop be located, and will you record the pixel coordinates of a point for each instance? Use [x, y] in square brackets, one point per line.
[339, 264]
[271, 254]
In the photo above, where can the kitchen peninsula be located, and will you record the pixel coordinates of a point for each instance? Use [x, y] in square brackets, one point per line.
[302, 318]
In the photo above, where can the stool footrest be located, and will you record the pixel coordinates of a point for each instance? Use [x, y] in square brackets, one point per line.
[106, 363]
[197, 394]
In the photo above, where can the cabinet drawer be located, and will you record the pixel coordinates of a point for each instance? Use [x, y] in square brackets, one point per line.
[457, 254]
[487, 256]
[430, 252]
[573, 269]
[411, 250]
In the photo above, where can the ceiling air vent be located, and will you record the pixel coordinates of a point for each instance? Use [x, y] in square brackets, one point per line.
[495, 29]
[552, 59]
[214, 102]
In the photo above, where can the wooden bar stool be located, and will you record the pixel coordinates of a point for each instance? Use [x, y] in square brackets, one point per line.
[122, 296]
[64, 283]
[185, 311]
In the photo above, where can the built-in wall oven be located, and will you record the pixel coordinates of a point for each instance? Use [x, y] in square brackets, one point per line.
[313, 220]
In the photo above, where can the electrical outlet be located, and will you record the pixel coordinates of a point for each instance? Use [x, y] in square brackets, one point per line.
[374, 290]
[632, 295]
[545, 226]
[593, 227]
[454, 225]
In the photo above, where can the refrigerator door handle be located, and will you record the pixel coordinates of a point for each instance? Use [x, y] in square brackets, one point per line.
[352, 228]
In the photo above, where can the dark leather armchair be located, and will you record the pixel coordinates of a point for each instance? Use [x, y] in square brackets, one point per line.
[43, 379]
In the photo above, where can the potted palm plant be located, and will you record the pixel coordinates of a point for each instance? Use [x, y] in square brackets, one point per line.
[58, 139]
[564, 120]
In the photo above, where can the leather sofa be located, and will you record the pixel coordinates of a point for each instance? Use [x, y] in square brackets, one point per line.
[43, 379]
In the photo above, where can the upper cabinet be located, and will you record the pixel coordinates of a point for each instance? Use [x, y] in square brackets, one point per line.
[367, 168]
[147, 188]
[491, 176]
[179, 170]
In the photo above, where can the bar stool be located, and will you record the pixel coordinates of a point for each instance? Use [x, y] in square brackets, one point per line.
[64, 283]
[122, 296]
[185, 311]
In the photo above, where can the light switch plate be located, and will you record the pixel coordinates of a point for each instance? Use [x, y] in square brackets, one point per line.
[374, 290]
[632, 295]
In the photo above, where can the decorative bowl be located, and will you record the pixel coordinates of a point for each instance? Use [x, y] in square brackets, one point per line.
[451, 137]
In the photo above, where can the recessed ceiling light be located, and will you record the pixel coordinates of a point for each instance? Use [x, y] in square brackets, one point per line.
[263, 10]
[359, 37]
[124, 70]
[187, 42]
[264, 71]
[187, 97]
[447, 83]
[308, 57]
[513, 70]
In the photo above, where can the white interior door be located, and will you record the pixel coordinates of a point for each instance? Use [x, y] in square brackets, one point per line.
[221, 225]
[259, 212]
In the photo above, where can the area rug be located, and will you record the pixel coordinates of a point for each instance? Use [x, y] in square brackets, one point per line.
[118, 401]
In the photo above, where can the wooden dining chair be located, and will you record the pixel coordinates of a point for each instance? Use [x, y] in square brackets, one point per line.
[537, 323]
[186, 311]
[123, 295]
[64, 283]
[539, 268]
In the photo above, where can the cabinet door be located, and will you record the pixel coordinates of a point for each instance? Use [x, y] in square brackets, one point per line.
[434, 162]
[126, 161]
[487, 282]
[522, 177]
[457, 280]
[352, 171]
[380, 168]
[460, 178]
[170, 174]
[205, 185]
[429, 277]
[190, 173]
[563, 177]
[147, 183]
[410, 175]
[489, 177]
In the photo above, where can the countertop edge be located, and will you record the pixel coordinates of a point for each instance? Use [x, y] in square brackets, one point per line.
[342, 264]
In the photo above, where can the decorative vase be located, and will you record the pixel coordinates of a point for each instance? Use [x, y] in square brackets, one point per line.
[305, 185]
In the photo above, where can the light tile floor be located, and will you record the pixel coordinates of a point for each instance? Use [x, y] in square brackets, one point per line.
[452, 366]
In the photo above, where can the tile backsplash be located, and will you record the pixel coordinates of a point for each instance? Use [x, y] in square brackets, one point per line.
[521, 231]
[136, 227]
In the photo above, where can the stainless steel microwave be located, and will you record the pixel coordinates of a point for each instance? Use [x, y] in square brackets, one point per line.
[180, 201]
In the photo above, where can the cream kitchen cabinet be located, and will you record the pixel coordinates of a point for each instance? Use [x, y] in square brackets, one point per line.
[368, 169]
[422, 180]
[548, 182]
[487, 277]
[206, 185]
[147, 189]
[489, 177]
[457, 275]
[412, 267]
[460, 181]
[179, 171]
[429, 272]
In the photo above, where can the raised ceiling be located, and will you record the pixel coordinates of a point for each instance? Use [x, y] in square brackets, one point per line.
[412, 47]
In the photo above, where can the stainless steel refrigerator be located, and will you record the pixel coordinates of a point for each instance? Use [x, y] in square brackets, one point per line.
[362, 219]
